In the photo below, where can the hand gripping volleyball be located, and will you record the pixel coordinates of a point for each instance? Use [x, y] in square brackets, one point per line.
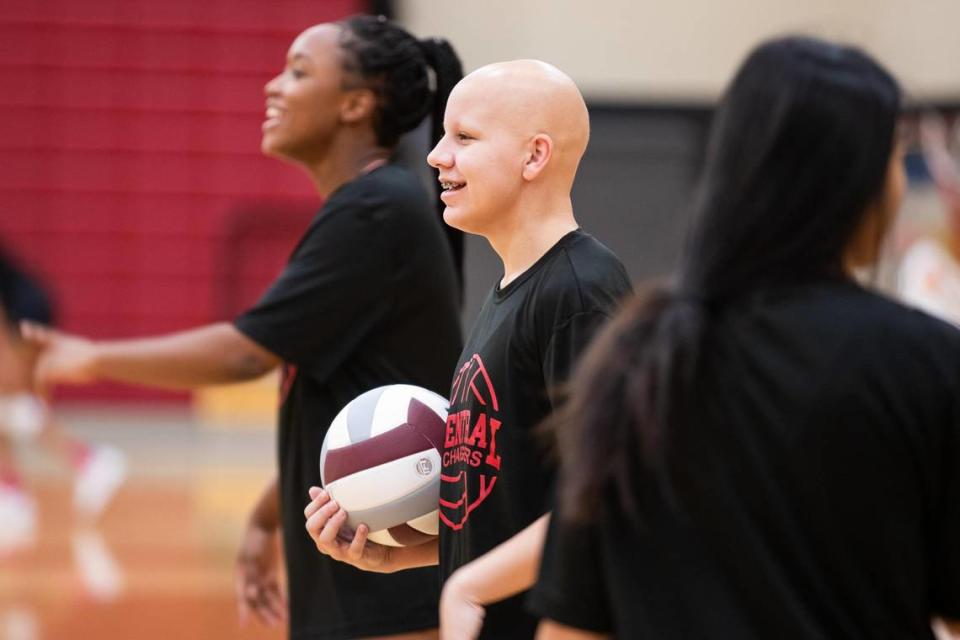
[381, 462]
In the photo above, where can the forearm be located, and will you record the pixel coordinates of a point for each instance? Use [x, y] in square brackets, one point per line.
[266, 512]
[216, 354]
[550, 630]
[507, 569]
[421, 555]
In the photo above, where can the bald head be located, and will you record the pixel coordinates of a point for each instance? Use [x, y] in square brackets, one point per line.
[531, 97]
[514, 133]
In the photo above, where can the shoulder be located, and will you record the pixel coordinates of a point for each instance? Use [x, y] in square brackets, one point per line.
[383, 206]
[388, 190]
[899, 333]
[584, 277]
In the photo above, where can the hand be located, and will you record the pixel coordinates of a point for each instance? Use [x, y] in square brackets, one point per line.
[325, 520]
[461, 616]
[63, 357]
[258, 584]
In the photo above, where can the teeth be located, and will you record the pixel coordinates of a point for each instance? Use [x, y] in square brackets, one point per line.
[273, 112]
[447, 186]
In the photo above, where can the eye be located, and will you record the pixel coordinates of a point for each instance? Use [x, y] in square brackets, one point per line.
[462, 136]
[297, 74]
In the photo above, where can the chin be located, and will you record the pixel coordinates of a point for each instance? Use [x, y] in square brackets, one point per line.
[267, 148]
[458, 221]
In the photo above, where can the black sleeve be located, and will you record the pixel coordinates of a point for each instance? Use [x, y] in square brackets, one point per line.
[572, 588]
[332, 293]
[567, 343]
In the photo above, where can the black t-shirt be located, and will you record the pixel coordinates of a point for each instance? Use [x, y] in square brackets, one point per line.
[818, 481]
[368, 298]
[496, 479]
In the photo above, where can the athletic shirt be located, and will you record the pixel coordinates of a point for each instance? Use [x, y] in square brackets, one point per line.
[817, 484]
[495, 479]
[368, 298]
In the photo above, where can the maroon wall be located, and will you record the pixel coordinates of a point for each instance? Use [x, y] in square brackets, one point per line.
[130, 175]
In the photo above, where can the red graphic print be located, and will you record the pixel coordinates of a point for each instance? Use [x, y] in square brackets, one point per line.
[287, 375]
[470, 459]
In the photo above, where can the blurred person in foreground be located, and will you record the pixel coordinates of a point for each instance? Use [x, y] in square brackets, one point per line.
[368, 298]
[929, 276]
[514, 136]
[765, 448]
[25, 417]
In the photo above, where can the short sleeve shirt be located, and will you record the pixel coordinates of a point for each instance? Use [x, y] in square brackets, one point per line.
[496, 478]
[368, 298]
[816, 487]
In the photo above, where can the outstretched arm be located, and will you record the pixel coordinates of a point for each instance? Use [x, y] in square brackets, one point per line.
[550, 630]
[215, 354]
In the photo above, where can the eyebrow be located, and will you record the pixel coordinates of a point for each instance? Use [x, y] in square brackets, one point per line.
[300, 56]
[467, 124]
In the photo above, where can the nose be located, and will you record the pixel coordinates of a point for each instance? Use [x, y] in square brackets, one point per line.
[440, 157]
[272, 87]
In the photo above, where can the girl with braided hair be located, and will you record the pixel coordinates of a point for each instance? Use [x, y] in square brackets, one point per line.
[369, 297]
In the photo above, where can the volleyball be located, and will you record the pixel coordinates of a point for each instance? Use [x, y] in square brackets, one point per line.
[380, 461]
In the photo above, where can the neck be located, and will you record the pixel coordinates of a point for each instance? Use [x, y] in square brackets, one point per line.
[344, 159]
[524, 241]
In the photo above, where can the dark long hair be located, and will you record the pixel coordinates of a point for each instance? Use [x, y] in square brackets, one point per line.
[799, 149]
[396, 66]
[21, 296]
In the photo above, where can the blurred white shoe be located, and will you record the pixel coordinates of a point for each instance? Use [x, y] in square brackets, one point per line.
[18, 520]
[98, 480]
[101, 575]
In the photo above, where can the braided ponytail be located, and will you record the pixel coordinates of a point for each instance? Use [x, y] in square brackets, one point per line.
[447, 72]
[395, 66]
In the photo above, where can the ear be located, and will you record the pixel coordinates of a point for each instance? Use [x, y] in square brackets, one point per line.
[539, 152]
[357, 105]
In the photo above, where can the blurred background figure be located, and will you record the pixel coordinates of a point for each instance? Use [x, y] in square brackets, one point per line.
[929, 275]
[98, 471]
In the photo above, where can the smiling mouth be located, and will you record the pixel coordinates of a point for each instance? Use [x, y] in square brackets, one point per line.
[271, 117]
[447, 185]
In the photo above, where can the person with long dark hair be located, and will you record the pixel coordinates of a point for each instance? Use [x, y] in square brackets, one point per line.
[368, 298]
[766, 448]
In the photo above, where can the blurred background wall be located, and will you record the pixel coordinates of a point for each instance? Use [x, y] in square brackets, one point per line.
[632, 51]
[131, 177]
[651, 71]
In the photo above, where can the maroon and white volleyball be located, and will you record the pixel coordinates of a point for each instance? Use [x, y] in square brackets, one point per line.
[381, 462]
